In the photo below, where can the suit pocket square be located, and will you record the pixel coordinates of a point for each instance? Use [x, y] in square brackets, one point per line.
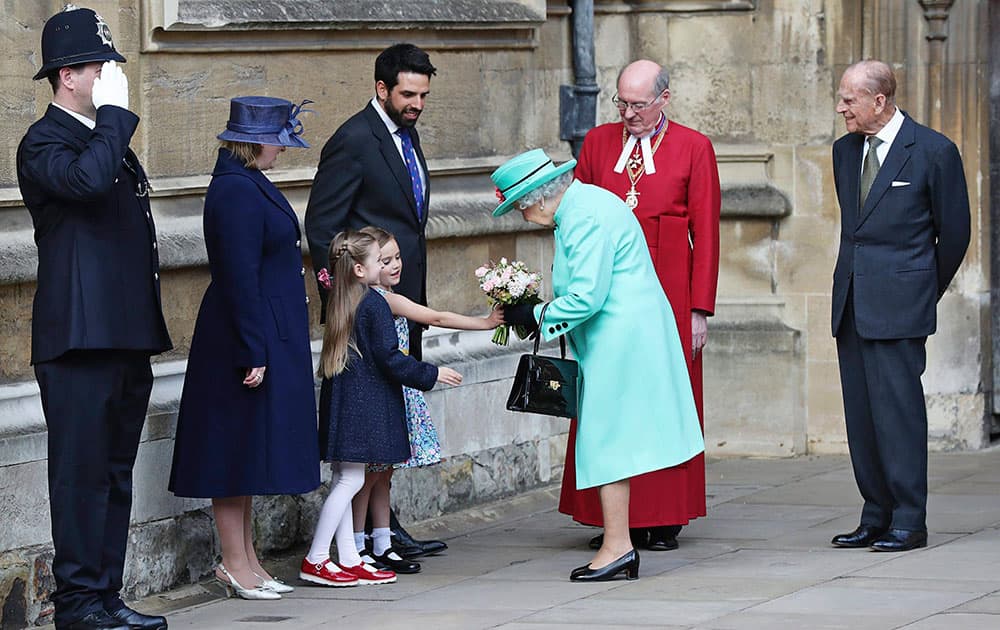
[898, 184]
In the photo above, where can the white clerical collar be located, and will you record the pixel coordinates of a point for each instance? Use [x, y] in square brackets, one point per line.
[644, 147]
[83, 119]
[389, 123]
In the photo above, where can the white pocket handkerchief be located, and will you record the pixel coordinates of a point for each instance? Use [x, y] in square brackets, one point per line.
[898, 184]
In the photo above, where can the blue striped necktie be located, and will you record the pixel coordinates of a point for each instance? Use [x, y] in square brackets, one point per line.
[413, 168]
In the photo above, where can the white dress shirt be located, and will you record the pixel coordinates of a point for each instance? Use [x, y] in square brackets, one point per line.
[83, 119]
[887, 135]
[392, 127]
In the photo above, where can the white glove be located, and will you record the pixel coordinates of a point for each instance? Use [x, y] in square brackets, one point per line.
[111, 88]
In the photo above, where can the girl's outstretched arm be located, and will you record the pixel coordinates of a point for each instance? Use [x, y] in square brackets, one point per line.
[402, 306]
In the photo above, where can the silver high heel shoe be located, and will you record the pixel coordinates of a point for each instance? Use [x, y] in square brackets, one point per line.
[275, 584]
[233, 588]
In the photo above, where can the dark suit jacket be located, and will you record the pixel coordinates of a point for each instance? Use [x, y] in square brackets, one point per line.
[362, 181]
[98, 269]
[905, 245]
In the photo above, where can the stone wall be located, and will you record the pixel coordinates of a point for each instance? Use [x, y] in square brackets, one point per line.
[757, 76]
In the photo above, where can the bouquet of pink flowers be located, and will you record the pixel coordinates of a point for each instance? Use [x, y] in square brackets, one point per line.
[506, 283]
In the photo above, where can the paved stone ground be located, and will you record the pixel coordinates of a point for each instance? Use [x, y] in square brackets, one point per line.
[760, 560]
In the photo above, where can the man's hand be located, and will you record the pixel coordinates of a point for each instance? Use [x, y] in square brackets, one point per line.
[699, 332]
[111, 87]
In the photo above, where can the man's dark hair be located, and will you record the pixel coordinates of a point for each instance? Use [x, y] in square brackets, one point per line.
[401, 58]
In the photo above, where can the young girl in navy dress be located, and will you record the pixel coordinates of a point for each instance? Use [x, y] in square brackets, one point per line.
[425, 449]
[362, 414]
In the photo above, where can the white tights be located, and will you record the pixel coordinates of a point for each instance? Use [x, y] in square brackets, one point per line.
[336, 517]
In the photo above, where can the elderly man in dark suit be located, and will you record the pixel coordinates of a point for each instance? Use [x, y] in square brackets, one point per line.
[97, 316]
[372, 172]
[904, 231]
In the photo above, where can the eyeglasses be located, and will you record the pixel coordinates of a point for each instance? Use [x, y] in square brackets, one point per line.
[638, 108]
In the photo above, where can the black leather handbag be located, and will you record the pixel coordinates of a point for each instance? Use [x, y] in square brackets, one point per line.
[545, 385]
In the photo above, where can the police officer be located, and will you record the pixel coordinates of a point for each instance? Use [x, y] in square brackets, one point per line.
[97, 316]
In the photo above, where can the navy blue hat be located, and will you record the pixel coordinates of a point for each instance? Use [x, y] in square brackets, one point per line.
[73, 37]
[265, 120]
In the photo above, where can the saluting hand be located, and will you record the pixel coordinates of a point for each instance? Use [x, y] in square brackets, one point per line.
[111, 87]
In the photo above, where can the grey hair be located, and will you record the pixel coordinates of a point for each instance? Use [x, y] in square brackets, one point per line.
[548, 189]
[662, 81]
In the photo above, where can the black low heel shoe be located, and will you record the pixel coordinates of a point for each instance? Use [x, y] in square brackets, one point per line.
[629, 564]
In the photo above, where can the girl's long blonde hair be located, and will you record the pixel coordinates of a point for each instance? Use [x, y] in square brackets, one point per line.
[348, 248]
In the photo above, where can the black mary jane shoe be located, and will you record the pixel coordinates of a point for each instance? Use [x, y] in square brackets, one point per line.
[99, 620]
[629, 564]
[900, 540]
[393, 561]
[863, 536]
[138, 621]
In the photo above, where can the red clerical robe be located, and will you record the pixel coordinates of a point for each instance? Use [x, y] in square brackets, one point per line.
[679, 213]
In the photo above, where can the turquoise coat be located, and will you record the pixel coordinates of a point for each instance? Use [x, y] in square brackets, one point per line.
[636, 409]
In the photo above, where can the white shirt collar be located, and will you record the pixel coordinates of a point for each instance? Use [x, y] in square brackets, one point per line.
[90, 124]
[888, 133]
[389, 124]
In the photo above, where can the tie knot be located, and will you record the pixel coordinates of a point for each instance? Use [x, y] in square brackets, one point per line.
[403, 132]
[874, 142]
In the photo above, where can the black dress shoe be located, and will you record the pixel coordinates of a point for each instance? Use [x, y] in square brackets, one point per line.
[639, 536]
[406, 546]
[662, 538]
[391, 560]
[138, 621]
[900, 540]
[99, 620]
[863, 536]
[628, 564]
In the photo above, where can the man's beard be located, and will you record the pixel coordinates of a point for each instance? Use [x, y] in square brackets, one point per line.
[396, 115]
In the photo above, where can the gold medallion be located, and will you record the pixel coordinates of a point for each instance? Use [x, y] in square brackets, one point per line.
[632, 198]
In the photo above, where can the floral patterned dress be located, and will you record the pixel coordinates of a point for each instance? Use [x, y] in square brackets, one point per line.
[425, 448]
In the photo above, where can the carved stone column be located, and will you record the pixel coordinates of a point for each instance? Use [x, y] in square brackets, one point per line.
[936, 14]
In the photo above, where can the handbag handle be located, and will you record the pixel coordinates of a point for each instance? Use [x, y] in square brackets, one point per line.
[538, 337]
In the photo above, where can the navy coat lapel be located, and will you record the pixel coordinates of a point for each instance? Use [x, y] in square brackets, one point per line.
[226, 164]
[387, 146]
[895, 160]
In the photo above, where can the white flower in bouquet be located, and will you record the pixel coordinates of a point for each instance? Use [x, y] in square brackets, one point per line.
[506, 283]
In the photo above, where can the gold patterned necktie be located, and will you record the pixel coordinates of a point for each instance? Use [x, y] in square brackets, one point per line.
[869, 170]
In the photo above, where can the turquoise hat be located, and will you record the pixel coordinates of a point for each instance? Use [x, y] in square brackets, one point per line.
[523, 173]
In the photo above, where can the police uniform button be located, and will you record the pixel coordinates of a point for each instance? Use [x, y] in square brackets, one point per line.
[116, 180]
[149, 216]
[298, 243]
[302, 272]
[156, 276]
[307, 299]
[154, 245]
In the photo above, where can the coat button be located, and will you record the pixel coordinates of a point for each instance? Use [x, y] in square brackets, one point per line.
[302, 272]
[154, 245]
[307, 299]
[156, 276]
[552, 329]
[298, 243]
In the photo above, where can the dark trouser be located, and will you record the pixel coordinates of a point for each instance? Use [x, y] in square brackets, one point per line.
[95, 404]
[886, 424]
[416, 340]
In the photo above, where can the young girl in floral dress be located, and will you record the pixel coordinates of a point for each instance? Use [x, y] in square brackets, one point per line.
[425, 449]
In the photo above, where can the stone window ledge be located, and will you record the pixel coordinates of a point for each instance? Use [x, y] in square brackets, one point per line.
[234, 25]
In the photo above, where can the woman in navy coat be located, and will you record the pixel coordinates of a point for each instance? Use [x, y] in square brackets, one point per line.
[247, 420]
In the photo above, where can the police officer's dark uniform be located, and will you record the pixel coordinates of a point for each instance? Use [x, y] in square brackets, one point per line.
[96, 320]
